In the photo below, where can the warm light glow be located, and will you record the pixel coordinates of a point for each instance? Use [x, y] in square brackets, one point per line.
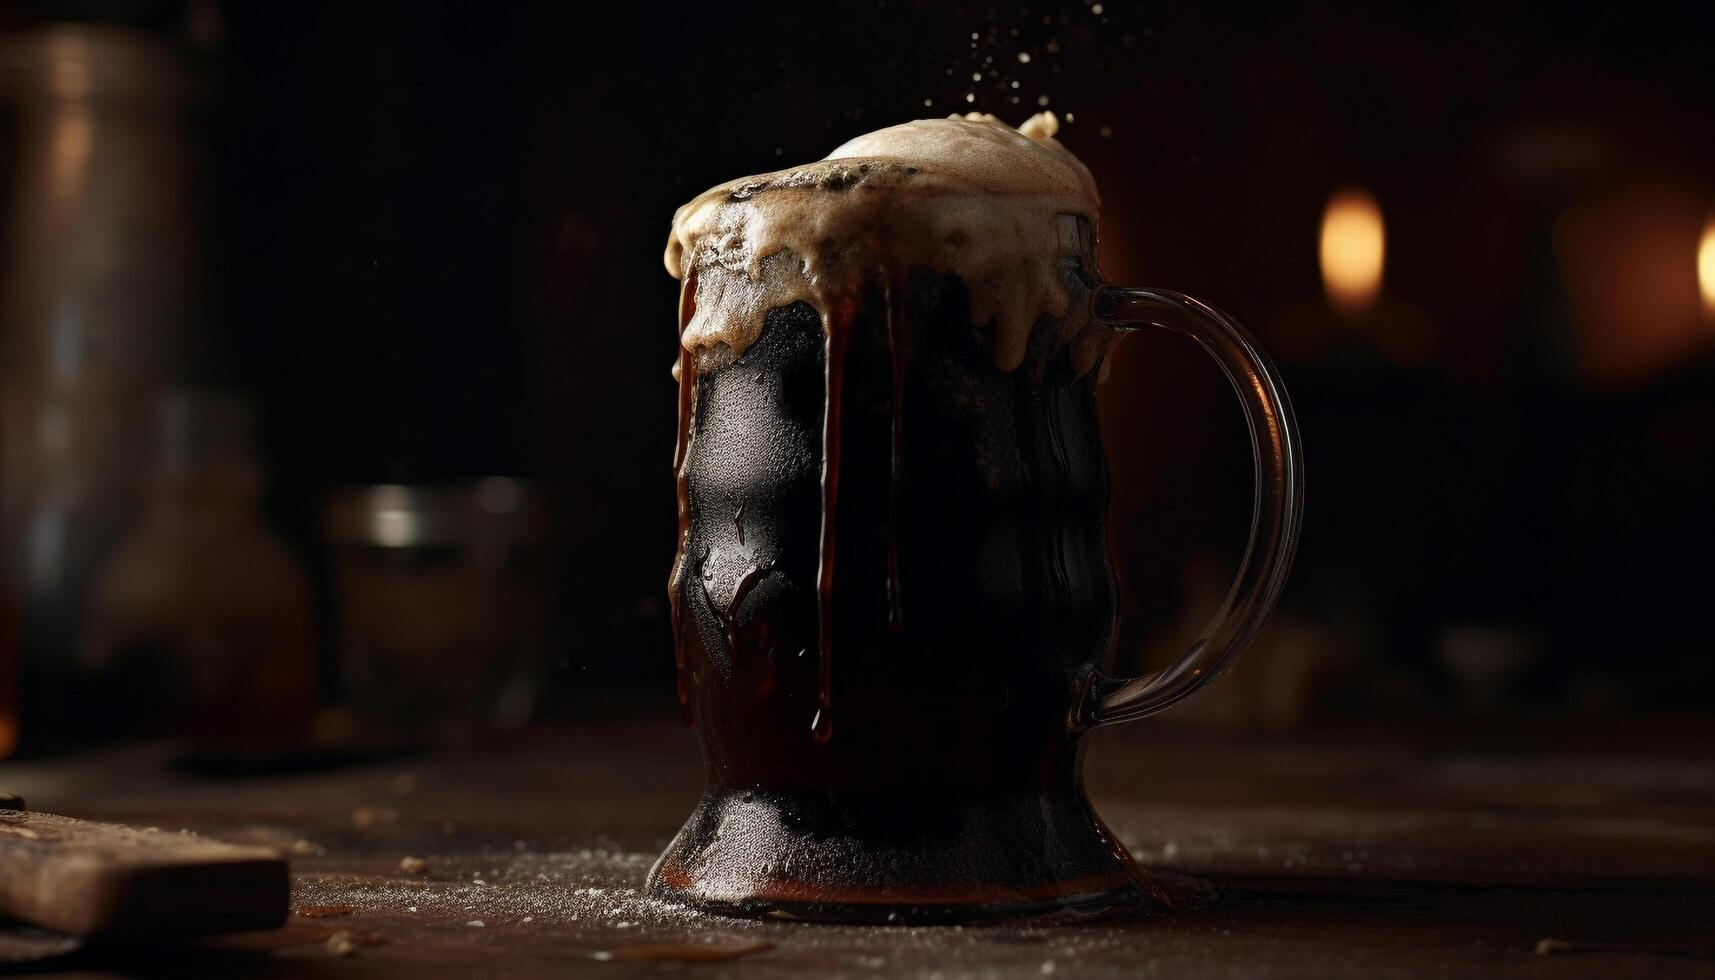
[68, 152]
[1354, 246]
[70, 56]
[1706, 265]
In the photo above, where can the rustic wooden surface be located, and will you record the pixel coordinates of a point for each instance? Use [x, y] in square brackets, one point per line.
[1457, 850]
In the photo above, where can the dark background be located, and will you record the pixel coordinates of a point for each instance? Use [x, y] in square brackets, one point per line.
[439, 229]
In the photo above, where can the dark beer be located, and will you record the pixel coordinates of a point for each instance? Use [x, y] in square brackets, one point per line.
[882, 640]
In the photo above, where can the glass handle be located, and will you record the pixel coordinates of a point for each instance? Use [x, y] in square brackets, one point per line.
[1275, 511]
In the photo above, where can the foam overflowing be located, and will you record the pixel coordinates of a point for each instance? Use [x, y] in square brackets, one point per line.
[968, 196]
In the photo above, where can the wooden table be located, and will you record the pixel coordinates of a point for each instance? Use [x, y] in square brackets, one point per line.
[1446, 849]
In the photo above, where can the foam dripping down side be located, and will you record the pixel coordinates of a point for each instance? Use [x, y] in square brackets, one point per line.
[686, 372]
[837, 325]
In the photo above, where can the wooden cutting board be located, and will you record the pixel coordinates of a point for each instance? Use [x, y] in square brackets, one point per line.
[101, 879]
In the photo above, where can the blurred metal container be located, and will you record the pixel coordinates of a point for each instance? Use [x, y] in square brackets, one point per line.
[102, 300]
[444, 596]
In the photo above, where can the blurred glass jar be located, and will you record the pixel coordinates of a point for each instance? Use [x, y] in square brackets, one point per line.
[445, 600]
[202, 620]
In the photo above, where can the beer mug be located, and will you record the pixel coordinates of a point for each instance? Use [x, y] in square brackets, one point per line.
[893, 603]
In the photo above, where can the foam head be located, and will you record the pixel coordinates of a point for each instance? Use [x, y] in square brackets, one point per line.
[967, 195]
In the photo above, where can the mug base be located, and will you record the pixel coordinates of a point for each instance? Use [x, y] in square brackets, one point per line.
[1127, 899]
[903, 859]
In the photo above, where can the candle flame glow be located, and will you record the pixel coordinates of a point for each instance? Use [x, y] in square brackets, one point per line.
[1353, 250]
[1706, 265]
